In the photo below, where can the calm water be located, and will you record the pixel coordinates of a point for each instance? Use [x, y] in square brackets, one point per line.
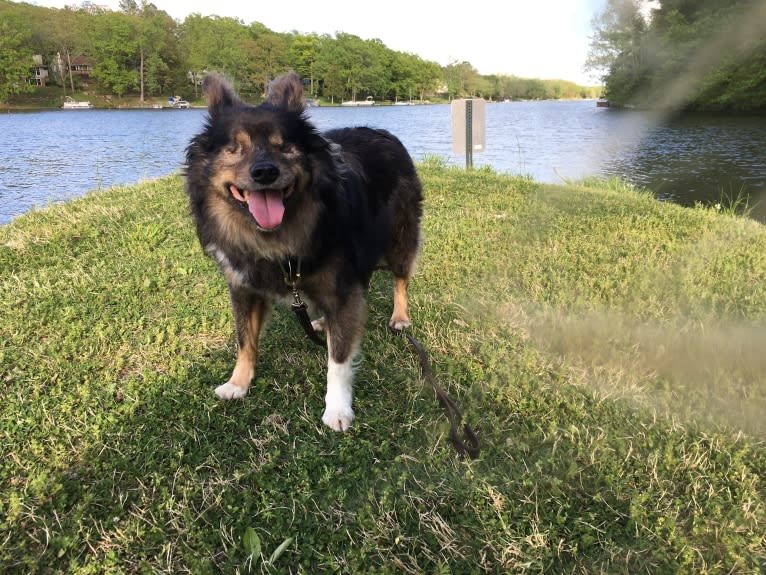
[57, 155]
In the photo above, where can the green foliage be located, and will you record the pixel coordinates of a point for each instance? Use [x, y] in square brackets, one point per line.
[688, 55]
[462, 79]
[303, 54]
[252, 543]
[413, 78]
[266, 58]
[142, 49]
[608, 348]
[213, 43]
[115, 42]
[15, 55]
[515, 88]
[157, 48]
[363, 65]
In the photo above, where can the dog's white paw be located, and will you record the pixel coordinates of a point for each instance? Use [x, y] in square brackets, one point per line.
[318, 324]
[399, 323]
[230, 391]
[338, 417]
[338, 413]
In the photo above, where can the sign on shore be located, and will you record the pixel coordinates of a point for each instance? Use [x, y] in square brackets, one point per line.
[468, 128]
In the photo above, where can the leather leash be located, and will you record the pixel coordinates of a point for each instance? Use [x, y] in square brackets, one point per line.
[469, 446]
[299, 306]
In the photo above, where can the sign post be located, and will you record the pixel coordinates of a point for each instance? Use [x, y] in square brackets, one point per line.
[468, 128]
[468, 134]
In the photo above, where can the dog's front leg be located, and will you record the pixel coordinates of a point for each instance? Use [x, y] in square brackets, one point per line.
[344, 334]
[250, 314]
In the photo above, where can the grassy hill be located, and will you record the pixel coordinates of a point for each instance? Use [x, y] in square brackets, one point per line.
[607, 347]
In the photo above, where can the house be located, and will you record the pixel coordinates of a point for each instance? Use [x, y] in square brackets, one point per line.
[41, 72]
[82, 67]
[79, 68]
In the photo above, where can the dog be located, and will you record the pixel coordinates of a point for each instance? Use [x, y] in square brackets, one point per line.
[277, 202]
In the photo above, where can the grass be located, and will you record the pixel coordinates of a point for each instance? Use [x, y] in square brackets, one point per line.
[607, 347]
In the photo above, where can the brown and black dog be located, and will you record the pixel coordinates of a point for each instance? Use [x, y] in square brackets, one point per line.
[268, 192]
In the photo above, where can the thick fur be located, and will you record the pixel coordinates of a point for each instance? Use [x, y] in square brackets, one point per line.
[267, 191]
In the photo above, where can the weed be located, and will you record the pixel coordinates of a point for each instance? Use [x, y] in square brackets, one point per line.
[735, 203]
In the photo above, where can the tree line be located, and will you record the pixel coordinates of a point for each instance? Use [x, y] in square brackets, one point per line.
[141, 50]
[702, 55]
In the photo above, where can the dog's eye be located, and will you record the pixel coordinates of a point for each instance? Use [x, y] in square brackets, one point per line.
[232, 148]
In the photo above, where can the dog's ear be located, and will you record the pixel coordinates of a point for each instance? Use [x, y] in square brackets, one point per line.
[287, 92]
[218, 93]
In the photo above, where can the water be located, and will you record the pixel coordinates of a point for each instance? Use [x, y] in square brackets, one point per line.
[57, 155]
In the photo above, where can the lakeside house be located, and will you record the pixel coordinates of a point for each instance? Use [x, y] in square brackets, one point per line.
[41, 72]
[80, 67]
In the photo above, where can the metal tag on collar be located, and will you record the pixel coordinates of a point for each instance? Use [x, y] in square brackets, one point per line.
[287, 272]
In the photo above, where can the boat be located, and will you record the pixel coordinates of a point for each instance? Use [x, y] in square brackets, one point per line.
[178, 103]
[366, 102]
[71, 104]
[602, 103]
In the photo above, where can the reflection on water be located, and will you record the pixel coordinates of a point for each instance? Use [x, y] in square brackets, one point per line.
[57, 155]
[696, 158]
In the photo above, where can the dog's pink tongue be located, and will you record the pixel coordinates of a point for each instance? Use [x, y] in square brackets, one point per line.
[266, 207]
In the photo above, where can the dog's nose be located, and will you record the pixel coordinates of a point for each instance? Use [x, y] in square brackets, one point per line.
[264, 172]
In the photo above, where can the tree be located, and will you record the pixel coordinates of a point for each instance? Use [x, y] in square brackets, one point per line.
[327, 68]
[65, 29]
[214, 43]
[377, 62]
[361, 65]
[428, 76]
[618, 49]
[403, 76]
[689, 55]
[303, 55]
[15, 56]
[157, 47]
[462, 79]
[140, 49]
[116, 46]
[266, 56]
[711, 55]
[412, 77]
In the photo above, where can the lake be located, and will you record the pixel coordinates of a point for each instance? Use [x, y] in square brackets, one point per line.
[53, 156]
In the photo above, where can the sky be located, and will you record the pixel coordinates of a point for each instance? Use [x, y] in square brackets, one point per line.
[547, 39]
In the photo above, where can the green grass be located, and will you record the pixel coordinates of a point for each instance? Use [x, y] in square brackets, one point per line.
[608, 348]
